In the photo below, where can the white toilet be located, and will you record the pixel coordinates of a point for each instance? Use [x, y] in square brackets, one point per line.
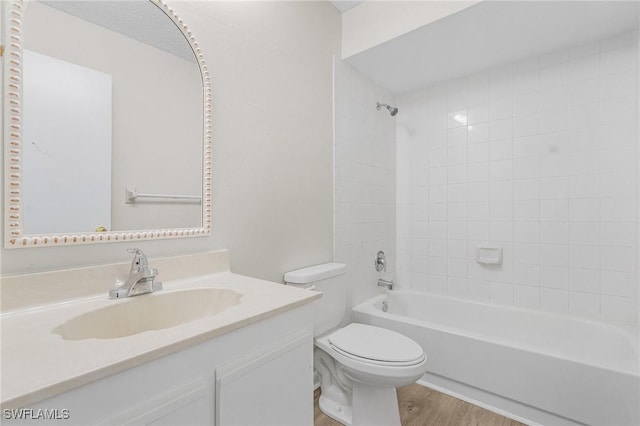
[359, 365]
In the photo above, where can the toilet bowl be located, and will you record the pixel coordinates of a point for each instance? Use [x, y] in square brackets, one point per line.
[359, 365]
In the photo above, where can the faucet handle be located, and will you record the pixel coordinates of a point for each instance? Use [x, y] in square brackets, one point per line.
[380, 262]
[139, 261]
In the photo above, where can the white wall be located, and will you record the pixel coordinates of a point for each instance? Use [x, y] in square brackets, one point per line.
[364, 180]
[272, 75]
[374, 22]
[271, 64]
[539, 157]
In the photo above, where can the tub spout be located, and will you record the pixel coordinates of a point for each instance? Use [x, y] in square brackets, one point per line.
[386, 283]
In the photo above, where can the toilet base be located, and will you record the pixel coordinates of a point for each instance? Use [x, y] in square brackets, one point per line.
[337, 411]
[372, 406]
[375, 406]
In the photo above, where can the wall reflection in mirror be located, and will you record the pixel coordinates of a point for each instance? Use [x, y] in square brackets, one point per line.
[112, 98]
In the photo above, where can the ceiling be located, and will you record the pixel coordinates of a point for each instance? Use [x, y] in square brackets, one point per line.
[140, 20]
[344, 5]
[488, 34]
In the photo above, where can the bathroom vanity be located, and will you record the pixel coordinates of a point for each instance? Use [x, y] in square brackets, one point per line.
[250, 363]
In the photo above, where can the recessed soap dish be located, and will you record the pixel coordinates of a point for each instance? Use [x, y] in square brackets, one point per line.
[489, 255]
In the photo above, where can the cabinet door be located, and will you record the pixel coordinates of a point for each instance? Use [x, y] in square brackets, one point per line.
[186, 405]
[273, 386]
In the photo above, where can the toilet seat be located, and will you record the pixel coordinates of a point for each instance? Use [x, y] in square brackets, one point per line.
[375, 345]
[378, 362]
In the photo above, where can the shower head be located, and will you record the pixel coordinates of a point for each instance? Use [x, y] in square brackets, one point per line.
[392, 110]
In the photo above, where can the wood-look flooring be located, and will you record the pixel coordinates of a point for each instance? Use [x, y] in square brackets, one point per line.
[420, 406]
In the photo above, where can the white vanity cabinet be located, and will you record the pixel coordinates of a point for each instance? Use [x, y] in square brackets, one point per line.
[260, 374]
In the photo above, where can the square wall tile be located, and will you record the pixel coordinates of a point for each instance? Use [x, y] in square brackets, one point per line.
[501, 129]
[554, 255]
[527, 146]
[618, 234]
[457, 136]
[501, 293]
[479, 290]
[526, 210]
[584, 304]
[526, 253]
[584, 210]
[478, 152]
[584, 280]
[583, 186]
[618, 209]
[478, 172]
[501, 190]
[617, 308]
[554, 300]
[437, 284]
[554, 277]
[478, 225]
[621, 185]
[501, 231]
[587, 233]
[554, 188]
[583, 162]
[526, 103]
[501, 211]
[554, 210]
[584, 256]
[617, 160]
[457, 174]
[526, 232]
[457, 287]
[615, 283]
[477, 114]
[457, 268]
[501, 170]
[526, 274]
[501, 108]
[620, 259]
[527, 296]
[526, 189]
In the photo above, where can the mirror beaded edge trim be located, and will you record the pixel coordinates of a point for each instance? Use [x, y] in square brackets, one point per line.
[12, 141]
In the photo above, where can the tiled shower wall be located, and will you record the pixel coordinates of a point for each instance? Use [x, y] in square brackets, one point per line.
[538, 157]
[364, 180]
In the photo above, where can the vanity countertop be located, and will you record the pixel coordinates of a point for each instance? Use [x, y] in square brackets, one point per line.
[38, 364]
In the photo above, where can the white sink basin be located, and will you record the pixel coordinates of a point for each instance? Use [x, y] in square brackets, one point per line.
[148, 312]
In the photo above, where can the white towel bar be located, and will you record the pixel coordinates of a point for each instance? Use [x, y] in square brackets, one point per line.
[131, 195]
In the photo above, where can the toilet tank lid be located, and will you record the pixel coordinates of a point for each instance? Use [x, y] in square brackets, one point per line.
[315, 273]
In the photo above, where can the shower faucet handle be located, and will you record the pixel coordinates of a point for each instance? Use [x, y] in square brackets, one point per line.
[381, 262]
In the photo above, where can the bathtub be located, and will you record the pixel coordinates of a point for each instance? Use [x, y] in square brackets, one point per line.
[536, 367]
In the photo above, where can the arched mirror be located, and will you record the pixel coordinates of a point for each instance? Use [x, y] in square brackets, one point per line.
[107, 124]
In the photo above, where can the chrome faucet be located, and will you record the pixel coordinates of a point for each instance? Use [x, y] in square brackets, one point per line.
[140, 280]
[386, 283]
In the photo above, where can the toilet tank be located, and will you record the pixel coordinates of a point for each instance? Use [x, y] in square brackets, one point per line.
[330, 280]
